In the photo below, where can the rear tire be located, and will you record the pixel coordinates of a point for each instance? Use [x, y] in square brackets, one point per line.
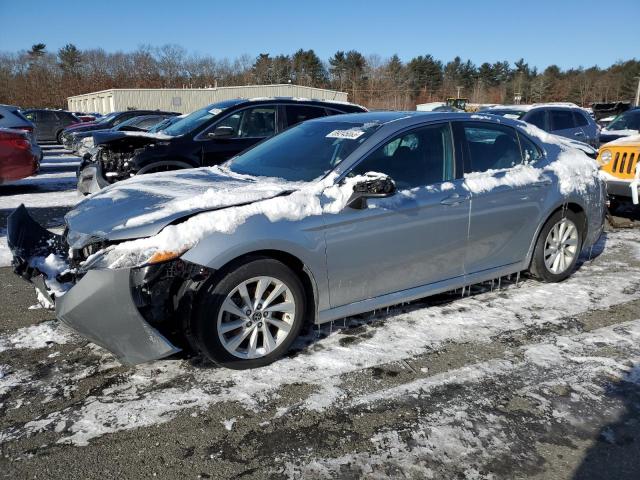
[558, 247]
[251, 316]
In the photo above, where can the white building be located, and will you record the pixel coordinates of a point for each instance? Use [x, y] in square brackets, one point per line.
[186, 100]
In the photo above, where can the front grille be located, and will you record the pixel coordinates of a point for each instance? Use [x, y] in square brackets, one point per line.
[624, 162]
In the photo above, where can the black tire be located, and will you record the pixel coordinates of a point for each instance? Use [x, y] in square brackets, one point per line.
[538, 266]
[59, 137]
[209, 300]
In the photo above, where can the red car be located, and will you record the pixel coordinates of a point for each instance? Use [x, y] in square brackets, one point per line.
[17, 157]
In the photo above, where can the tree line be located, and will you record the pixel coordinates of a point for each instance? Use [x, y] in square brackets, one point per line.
[41, 78]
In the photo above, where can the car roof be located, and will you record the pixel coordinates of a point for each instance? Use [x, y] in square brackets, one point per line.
[276, 100]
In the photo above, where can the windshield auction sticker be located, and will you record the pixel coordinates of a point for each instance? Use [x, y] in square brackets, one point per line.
[350, 134]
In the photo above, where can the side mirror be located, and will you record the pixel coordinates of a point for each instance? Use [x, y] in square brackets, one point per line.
[221, 131]
[374, 185]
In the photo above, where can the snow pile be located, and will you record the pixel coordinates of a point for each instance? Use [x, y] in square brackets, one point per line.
[513, 177]
[51, 266]
[41, 335]
[186, 196]
[313, 199]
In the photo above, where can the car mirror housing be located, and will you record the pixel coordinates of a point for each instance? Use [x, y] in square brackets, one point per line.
[221, 131]
[374, 185]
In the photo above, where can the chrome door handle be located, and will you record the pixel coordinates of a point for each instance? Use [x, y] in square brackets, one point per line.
[543, 183]
[579, 134]
[454, 199]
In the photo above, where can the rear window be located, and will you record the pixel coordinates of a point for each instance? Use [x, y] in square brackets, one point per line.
[491, 147]
[299, 113]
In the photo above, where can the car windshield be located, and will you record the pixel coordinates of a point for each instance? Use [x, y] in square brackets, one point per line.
[506, 113]
[196, 119]
[158, 127]
[626, 121]
[305, 152]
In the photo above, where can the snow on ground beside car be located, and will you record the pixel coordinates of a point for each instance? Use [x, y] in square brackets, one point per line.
[41, 335]
[154, 393]
[54, 186]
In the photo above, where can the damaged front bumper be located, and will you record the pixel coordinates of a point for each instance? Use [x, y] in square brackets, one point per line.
[101, 308]
[100, 304]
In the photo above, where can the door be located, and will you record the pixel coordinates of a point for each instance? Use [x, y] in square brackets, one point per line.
[562, 122]
[416, 237]
[249, 126]
[504, 214]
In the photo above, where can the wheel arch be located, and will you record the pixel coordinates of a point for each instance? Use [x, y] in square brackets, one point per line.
[572, 206]
[302, 271]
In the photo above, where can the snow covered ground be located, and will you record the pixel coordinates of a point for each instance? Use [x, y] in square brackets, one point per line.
[530, 380]
[50, 193]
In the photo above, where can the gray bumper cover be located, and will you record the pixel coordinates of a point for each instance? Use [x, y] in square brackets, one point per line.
[100, 308]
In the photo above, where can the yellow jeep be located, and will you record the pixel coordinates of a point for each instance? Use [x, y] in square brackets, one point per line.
[620, 165]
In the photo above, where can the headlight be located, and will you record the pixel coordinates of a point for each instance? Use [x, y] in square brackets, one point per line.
[605, 157]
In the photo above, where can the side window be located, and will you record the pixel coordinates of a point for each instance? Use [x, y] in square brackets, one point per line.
[421, 157]
[561, 120]
[491, 147]
[46, 116]
[537, 118]
[530, 151]
[580, 119]
[251, 122]
[300, 113]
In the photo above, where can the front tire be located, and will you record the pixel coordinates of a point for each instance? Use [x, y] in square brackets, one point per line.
[251, 316]
[558, 247]
[59, 137]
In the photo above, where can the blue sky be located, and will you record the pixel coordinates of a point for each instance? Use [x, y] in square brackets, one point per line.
[567, 33]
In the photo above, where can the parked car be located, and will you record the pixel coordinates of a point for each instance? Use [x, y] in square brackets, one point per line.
[565, 120]
[83, 141]
[18, 158]
[50, 123]
[620, 165]
[624, 125]
[11, 117]
[105, 123]
[333, 217]
[208, 136]
[85, 117]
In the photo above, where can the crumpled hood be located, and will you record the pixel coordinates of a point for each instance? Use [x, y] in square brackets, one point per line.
[144, 205]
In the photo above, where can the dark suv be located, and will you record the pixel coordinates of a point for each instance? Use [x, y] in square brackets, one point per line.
[206, 137]
[105, 123]
[50, 123]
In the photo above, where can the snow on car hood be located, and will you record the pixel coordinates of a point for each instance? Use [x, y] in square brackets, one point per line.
[142, 206]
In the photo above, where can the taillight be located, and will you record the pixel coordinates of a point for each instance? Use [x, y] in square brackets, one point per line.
[15, 141]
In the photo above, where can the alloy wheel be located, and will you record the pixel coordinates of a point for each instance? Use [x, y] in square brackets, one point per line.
[561, 246]
[256, 317]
